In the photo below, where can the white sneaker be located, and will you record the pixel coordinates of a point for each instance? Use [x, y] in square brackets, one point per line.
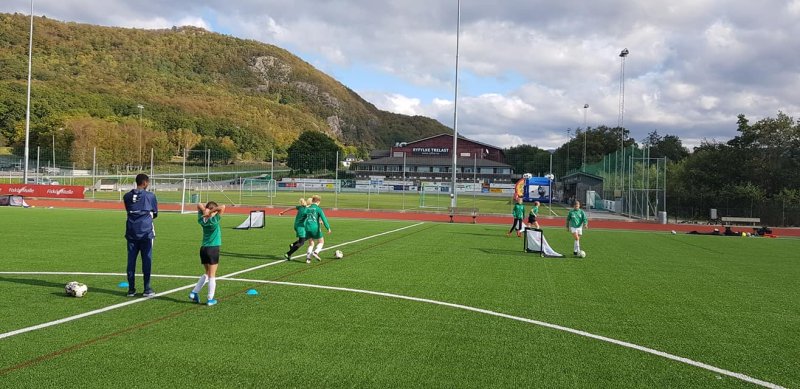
[308, 260]
[316, 256]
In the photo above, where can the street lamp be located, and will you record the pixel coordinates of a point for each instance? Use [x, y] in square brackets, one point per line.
[585, 129]
[569, 138]
[28, 107]
[621, 118]
[453, 200]
[54, 148]
[141, 107]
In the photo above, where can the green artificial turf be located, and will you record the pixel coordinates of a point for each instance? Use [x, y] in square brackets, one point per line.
[726, 301]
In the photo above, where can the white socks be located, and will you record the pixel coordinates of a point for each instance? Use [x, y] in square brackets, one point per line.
[319, 247]
[577, 246]
[309, 251]
[200, 283]
[212, 287]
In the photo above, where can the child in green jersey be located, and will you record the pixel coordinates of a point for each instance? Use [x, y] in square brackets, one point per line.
[517, 212]
[299, 227]
[576, 221]
[533, 215]
[208, 216]
[314, 215]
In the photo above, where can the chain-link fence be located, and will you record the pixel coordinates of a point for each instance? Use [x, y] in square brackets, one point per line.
[204, 175]
[773, 212]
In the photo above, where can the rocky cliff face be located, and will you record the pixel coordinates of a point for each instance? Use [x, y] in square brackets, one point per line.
[275, 75]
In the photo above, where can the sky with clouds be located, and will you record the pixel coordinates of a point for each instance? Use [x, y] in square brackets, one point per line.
[526, 67]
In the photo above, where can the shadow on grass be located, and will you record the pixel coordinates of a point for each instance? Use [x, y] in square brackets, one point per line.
[493, 234]
[92, 290]
[250, 256]
[500, 251]
[48, 284]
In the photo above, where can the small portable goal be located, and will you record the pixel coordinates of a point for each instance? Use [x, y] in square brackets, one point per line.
[254, 220]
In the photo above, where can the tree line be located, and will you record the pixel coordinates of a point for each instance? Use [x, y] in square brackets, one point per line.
[761, 163]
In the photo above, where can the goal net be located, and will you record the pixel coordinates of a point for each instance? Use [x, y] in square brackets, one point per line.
[433, 195]
[535, 242]
[254, 220]
[184, 192]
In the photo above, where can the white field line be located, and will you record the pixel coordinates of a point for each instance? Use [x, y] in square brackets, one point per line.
[557, 327]
[139, 300]
[82, 273]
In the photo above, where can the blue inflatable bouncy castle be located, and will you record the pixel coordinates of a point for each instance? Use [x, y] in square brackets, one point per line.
[533, 189]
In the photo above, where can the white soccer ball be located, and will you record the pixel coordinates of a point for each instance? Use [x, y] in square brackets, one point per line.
[76, 289]
[582, 254]
[674, 232]
[338, 254]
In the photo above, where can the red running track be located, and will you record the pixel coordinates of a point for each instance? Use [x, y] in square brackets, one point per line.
[421, 216]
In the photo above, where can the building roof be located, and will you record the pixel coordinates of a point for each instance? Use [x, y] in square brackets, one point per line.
[582, 177]
[434, 161]
[379, 153]
[451, 135]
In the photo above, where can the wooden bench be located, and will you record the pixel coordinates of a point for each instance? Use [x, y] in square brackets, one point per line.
[729, 220]
[454, 211]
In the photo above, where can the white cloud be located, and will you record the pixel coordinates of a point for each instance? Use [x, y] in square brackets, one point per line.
[402, 104]
[709, 102]
[721, 35]
[793, 7]
[500, 140]
[161, 23]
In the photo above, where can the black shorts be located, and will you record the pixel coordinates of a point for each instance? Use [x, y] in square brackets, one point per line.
[531, 219]
[209, 255]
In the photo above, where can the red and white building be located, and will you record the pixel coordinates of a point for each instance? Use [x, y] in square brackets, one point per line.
[431, 159]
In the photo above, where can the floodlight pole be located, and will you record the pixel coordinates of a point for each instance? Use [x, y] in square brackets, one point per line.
[183, 175]
[336, 182]
[28, 108]
[474, 176]
[585, 129]
[569, 138]
[453, 200]
[403, 193]
[550, 204]
[141, 107]
[621, 119]
[272, 178]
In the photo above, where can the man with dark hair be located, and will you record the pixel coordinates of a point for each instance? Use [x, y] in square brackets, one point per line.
[141, 207]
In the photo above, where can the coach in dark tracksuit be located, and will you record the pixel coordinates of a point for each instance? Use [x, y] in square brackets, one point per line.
[141, 207]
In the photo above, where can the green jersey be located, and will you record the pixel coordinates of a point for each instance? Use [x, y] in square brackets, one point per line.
[518, 211]
[212, 234]
[576, 218]
[300, 218]
[535, 210]
[313, 215]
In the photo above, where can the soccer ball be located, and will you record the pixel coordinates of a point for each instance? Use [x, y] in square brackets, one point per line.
[674, 232]
[582, 254]
[338, 254]
[76, 289]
